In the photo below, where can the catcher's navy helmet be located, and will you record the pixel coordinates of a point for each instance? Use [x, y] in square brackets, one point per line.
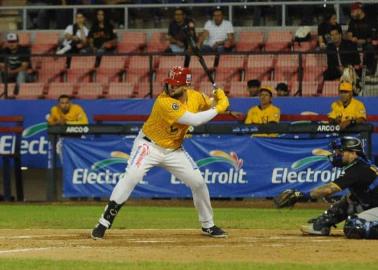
[349, 143]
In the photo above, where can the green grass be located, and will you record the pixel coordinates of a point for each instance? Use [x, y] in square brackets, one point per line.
[6, 264]
[133, 217]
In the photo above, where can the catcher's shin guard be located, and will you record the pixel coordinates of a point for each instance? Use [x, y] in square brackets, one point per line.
[359, 228]
[111, 211]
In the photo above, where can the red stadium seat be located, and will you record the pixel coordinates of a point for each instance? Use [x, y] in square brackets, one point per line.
[49, 69]
[259, 67]
[90, 90]
[158, 42]
[249, 41]
[57, 89]
[286, 68]
[309, 89]
[304, 46]
[165, 63]
[230, 67]
[330, 88]
[31, 90]
[138, 69]
[198, 72]
[111, 69]
[24, 39]
[238, 89]
[81, 69]
[314, 67]
[143, 89]
[45, 42]
[132, 42]
[278, 41]
[121, 90]
[10, 87]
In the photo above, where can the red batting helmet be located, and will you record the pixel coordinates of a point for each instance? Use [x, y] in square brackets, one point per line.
[179, 76]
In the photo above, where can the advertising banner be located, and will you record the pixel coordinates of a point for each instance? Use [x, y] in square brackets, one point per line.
[232, 166]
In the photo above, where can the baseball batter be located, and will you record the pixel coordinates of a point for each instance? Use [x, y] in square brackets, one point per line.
[160, 144]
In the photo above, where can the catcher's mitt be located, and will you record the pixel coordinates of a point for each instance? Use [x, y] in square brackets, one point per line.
[287, 198]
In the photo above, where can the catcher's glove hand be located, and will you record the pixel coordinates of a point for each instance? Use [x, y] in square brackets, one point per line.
[287, 198]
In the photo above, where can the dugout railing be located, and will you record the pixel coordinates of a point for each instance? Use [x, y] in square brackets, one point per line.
[219, 126]
[95, 76]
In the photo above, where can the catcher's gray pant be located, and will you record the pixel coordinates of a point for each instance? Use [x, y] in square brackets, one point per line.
[145, 155]
[369, 215]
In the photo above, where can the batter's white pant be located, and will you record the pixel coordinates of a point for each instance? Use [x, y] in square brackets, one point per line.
[145, 155]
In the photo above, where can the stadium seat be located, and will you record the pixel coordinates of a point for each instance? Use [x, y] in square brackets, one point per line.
[11, 87]
[314, 67]
[207, 88]
[24, 39]
[45, 42]
[111, 69]
[56, 89]
[230, 67]
[81, 69]
[31, 91]
[278, 41]
[143, 89]
[121, 90]
[238, 89]
[249, 41]
[330, 88]
[304, 46]
[90, 90]
[132, 42]
[198, 72]
[309, 89]
[158, 42]
[138, 69]
[259, 67]
[49, 69]
[165, 63]
[286, 68]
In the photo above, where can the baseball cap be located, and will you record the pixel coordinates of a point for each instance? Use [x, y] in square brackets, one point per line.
[12, 37]
[356, 5]
[267, 89]
[345, 86]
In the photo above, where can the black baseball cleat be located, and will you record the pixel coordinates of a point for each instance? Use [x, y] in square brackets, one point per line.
[98, 232]
[215, 232]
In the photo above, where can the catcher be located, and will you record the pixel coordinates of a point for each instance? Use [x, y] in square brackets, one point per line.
[359, 177]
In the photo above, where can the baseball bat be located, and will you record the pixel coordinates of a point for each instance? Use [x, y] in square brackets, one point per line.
[196, 51]
[321, 152]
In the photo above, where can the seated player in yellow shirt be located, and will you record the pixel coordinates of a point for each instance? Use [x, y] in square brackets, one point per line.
[347, 110]
[67, 113]
[265, 112]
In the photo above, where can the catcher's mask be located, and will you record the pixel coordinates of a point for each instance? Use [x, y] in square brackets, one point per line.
[346, 143]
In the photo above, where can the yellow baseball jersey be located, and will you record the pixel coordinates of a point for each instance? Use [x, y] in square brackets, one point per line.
[75, 116]
[354, 110]
[162, 127]
[258, 116]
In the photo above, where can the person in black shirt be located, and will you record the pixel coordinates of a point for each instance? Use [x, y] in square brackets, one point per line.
[324, 29]
[102, 37]
[177, 31]
[361, 31]
[14, 61]
[358, 176]
[340, 54]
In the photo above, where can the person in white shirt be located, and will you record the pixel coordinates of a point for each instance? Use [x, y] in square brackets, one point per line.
[218, 34]
[75, 36]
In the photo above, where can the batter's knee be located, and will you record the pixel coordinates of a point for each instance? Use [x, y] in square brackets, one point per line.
[133, 176]
[196, 181]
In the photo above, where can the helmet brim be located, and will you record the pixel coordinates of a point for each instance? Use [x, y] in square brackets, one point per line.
[174, 82]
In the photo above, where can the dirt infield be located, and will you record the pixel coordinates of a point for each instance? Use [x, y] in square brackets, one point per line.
[186, 245]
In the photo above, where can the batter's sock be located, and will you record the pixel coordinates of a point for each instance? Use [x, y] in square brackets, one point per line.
[111, 211]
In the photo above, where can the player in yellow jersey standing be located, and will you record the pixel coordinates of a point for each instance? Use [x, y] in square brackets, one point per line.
[347, 110]
[265, 112]
[160, 144]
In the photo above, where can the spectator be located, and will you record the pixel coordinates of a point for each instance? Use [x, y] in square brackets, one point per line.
[177, 32]
[218, 34]
[361, 30]
[75, 36]
[282, 90]
[340, 54]
[265, 112]
[66, 113]
[347, 110]
[102, 37]
[15, 61]
[324, 29]
[253, 87]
